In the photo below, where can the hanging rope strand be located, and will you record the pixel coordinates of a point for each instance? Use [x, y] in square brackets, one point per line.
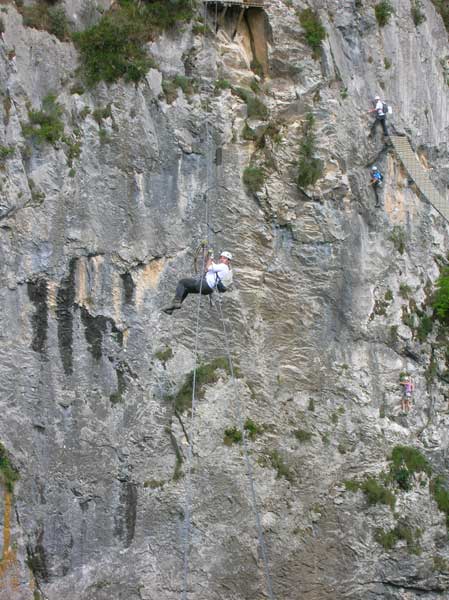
[188, 499]
[248, 465]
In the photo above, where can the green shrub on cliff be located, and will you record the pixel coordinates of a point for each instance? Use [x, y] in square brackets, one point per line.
[7, 472]
[310, 168]
[206, 374]
[48, 18]
[45, 125]
[313, 29]
[253, 178]
[383, 12]
[442, 7]
[440, 302]
[115, 46]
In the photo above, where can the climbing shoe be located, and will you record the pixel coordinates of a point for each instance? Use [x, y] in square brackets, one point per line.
[171, 307]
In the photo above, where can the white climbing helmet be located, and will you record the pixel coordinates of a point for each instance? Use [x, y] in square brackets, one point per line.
[376, 97]
[226, 254]
[374, 168]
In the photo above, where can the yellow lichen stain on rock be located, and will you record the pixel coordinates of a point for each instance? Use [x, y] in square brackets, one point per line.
[81, 290]
[52, 290]
[117, 296]
[95, 266]
[9, 568]
[148, 277]
[396, 196]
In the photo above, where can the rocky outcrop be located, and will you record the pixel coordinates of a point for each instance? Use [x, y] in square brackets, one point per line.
[330, 294]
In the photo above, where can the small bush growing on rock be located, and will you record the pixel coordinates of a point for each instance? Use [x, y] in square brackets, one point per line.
[115, 46]
[232, 435]
[402, 531]
[405, 291]
[171, 86]
[406, 461]
[47, 18]
[45, 125]
[255, 108]
[252, 429]
[352, 486]
[164, 355]
[277, 462]
[302, 435]
[440, 302]
[205, 375]
[424, 328]
[440, 492]
[442, 7]
[313, 28]
[310, 168]
[376, 493]
[383, 12]
[8, 473]
[5, 152]
[253, 178]
[417, 14]
[398, 237]
[221, 84]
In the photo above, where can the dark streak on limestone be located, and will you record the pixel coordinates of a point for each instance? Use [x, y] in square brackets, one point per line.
[64, 315]
[37, 293]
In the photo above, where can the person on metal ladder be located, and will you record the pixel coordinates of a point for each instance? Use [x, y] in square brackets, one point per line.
[381, 110]
[376, 182]
[216, 276]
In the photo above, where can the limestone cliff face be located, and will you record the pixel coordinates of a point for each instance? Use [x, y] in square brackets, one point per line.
[94, 233]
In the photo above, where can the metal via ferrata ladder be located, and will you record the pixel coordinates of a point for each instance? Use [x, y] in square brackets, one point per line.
[417, 172]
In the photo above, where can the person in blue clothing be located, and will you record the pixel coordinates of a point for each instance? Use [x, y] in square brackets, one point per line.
[376, 182]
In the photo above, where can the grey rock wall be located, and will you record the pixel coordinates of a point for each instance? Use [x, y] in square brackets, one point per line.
[91, 251]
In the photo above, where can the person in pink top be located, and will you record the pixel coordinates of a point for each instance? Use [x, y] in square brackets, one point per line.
[407, 393]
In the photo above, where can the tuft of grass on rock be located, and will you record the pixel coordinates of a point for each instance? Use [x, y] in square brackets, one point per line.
[8, 473]
[302, 435]
[310, 168]
[405, 462]
[206, 374]
[254, 178]
[232, 435]
[46, 16]
[277, 462]
[45, 125]
[376, 493]
[402, 531]
[383, 11]
[314, 32]
[164, 355]
[252, 429]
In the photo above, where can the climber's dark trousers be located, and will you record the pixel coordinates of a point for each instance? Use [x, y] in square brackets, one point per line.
[383, 122]
[191, 285]
[376, 193]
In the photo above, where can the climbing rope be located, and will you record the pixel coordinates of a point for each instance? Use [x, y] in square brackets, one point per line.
[188, 498]
[248, 465]
[249, 469]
